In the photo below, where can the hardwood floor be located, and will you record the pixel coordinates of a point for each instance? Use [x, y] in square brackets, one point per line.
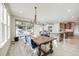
[68, 47]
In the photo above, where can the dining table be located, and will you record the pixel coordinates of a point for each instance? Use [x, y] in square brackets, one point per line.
[42, 41]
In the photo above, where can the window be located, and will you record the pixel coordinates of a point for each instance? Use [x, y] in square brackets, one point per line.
[50, 28]
[5, 15]
[8, 26]
[0, 32]
[0, 22]
[8, 19]
[4, 23]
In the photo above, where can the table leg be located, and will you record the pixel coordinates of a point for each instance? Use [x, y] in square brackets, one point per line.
[51, 46]
[39, 51]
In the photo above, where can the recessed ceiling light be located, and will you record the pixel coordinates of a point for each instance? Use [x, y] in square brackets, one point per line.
[20, 11]
[72, 16]
[69, 10]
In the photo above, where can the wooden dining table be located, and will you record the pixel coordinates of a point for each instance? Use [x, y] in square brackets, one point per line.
[42, 40]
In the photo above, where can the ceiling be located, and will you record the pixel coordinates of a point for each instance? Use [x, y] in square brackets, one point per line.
[46, 12]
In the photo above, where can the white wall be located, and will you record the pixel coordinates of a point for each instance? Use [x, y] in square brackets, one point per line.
[76, 29]
[13, 28]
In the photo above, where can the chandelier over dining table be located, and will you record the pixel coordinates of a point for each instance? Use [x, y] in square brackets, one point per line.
[35, 20]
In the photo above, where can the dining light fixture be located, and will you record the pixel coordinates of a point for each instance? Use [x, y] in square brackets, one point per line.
[35, 21]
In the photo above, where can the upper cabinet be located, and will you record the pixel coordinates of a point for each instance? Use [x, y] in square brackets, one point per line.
[66, 26]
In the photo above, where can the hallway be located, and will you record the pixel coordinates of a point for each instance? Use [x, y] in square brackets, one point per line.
[70, 47]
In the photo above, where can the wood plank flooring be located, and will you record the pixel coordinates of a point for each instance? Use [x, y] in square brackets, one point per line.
[69, 47]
